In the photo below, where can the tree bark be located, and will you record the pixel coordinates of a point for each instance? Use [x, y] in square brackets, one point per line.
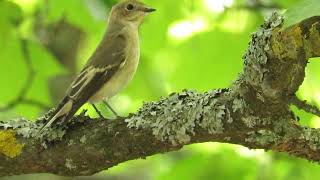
[254, 112]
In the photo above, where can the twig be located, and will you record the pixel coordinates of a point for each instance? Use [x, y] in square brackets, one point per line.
[303, 105]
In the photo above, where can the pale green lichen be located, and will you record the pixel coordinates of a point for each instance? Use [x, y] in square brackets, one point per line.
[250, 121]
[174, 118]
[229, 117]
[263, 137]
[83, 139]
[238, 105]
[44, 145]
[167, 118]
[21, 126]
[71, 142]
[30, 129]
[256, 56]
[9, 146]
[214, 112]
[69, 164]
[312, 137]
[213, 115]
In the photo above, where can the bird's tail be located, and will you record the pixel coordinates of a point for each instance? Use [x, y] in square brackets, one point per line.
[63, 110]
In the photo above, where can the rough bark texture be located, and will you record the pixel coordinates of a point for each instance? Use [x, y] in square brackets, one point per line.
[254, 112]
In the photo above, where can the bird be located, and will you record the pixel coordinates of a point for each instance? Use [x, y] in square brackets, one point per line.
[111, 66]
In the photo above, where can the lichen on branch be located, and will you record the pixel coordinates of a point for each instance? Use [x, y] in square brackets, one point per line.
[176, 117]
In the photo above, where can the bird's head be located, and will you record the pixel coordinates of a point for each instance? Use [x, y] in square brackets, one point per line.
[130, 12]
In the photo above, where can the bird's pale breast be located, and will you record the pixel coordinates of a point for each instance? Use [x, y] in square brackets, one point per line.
[122, 77]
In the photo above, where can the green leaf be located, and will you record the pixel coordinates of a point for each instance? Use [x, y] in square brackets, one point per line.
[14, 69]
[301, 11]
[10, 12]
[74, 11]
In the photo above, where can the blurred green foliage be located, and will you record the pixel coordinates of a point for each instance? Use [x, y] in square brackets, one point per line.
[186, 44]
[306, 8]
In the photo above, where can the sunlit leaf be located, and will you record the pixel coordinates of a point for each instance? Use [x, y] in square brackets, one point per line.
[301, 11]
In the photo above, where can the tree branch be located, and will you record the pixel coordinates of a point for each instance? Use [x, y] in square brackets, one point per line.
[254, 112]
[303, 105]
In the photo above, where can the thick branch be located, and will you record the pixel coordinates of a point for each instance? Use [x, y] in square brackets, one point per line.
[94, 145]
[253, 112]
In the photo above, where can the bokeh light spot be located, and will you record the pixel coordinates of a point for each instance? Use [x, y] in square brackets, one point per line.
[217, 6]
[187, 28]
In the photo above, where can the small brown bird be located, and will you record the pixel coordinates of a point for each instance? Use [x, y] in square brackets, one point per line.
[112, 64]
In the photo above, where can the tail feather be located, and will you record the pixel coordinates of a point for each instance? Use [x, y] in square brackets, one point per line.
[63, 111]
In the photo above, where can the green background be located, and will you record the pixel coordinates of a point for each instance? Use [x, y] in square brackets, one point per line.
[186, 44]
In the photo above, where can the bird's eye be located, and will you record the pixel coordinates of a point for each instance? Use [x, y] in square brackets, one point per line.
[129, 7]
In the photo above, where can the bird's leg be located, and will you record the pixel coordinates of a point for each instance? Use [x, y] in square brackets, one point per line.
[113, 111]
[97, 110]
[83, 112]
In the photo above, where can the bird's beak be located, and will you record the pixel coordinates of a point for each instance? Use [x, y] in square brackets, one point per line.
[148, 9]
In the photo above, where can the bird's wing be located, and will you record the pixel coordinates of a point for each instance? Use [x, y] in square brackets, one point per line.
[108, 58]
